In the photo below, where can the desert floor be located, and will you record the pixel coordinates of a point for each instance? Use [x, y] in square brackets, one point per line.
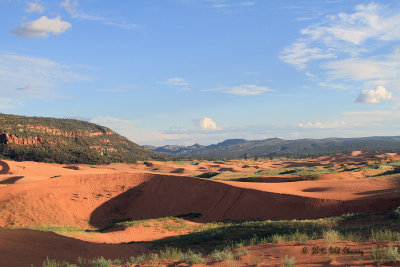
[263, 210]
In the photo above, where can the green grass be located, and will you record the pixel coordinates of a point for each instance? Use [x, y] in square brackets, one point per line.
[223, 241]
[355, 227]
[288, 261]
[53, 263]
[58, 229]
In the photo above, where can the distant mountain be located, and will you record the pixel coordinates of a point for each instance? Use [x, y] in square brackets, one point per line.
[240, 148]
[65, 141]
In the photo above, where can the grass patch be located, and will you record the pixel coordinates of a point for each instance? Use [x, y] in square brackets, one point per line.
[53, 263]
[288, 261]
[58, 229]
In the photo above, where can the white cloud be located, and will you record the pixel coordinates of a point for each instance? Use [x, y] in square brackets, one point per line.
[247, 3]
[31, 77]
[364, 69]
[119, 89]
[42, 27]
[373, 95]
[176, 81]
[300, 53]
[243, 90]
[322, 125]
[71, 6]
[34, 7]
[207, 124]
[344, 34]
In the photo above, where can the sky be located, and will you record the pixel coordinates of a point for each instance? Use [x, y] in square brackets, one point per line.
[202, 71]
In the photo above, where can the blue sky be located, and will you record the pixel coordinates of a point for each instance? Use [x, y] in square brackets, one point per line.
[201, 71]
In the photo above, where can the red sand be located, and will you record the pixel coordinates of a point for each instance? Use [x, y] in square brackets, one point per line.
[92, 196]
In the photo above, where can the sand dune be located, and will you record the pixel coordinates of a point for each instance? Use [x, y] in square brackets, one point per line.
[26, 247]
[91, 197]
[97, 199]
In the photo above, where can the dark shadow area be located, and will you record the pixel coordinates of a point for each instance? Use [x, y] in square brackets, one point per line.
[269, 179]
[316, 189]
[148, 164]
[71, 167]
[11, 180]
[31, 248]
[207, 175]
[5, 169]
[179, 170]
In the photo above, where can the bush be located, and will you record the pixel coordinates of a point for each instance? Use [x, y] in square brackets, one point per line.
[331, 237]
[378, 254]
[191, 258]
[102, 262]
[395, 214]
[392, 254]
[54, 263]
[221, 255]
[288, 262]
[384, 235]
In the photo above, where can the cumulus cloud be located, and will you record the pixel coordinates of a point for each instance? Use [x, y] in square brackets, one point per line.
[34, 7]
[207, 124]
[42, 27]
[373, 95]
[322, 125]
[243, 90]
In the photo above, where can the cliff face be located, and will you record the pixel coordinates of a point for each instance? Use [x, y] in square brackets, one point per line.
[6, 138]
[65, 141]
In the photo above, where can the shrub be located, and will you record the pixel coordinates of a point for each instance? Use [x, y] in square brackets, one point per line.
[288, 262]
[395, 214]
[171, 253]
[102, 262]
[54, 263]
[384, 235]
[331, 237]
[378, 254]
[221, 255]
[191, 258]
[392, 254]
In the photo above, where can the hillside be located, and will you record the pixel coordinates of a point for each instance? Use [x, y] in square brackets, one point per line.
[65, 141]
[239, 148]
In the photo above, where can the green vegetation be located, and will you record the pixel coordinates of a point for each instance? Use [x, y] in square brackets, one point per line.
[382, 254]
[54, 263]
[58, 229]
[225, 241]
[355, 227]
[275, 147]
[65, 141]
[288, 262]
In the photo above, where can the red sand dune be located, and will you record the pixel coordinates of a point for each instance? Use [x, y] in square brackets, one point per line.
[26, 247]
[96, 200]
[93, 196]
